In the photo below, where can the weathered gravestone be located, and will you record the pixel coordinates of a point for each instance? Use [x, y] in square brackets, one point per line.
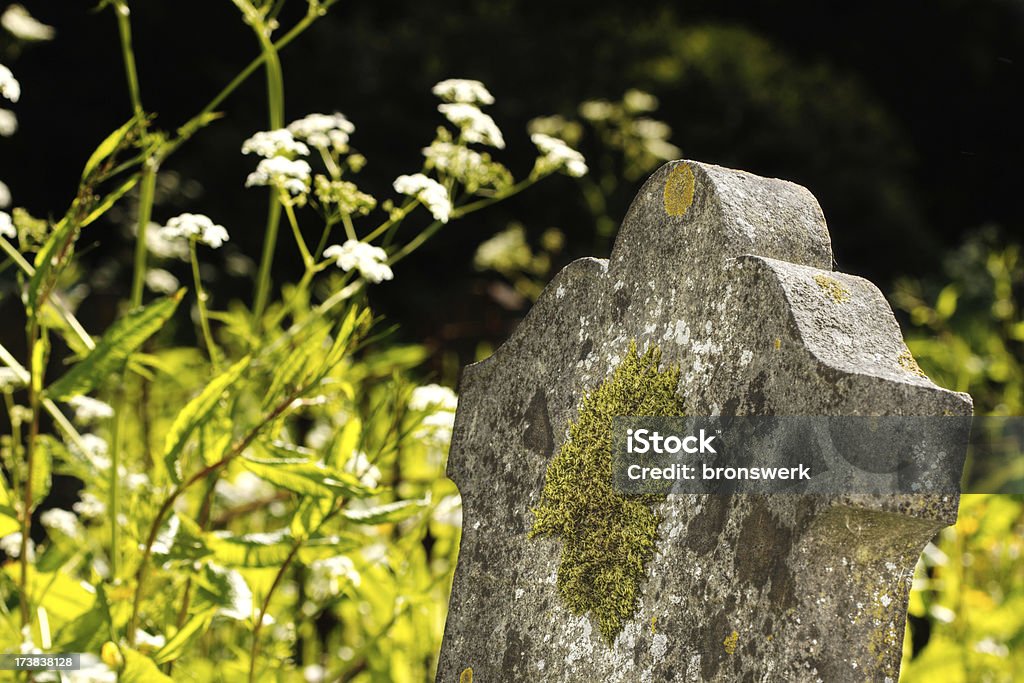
[730, 275]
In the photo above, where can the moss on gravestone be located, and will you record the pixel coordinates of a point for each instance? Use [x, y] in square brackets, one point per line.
[607, 538]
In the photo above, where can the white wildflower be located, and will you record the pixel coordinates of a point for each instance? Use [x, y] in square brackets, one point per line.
[62, 521]
[558, 156]
[359, 464]
[651, 128]
[195, 226]
[11, 545]
[285, 174]
[5, 196]
[163, 245]
[245, 488]
[314, 673]
[432, 193]
[161, 281]
[9, 86]
[148, 641]
[9, 380]
[8, 123]
[433, 397]
[89, 409]
[28, 645]
[272, 143]
[95, 446]
[90, 507]
[7, 228]
[328, 577]
[463, 91]
[135, 481]
[475, 125]
[437, 427]
[370, 261]
[324, 131]
[23, 26]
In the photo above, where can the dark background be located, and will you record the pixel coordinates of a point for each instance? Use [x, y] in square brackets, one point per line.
[904, 118]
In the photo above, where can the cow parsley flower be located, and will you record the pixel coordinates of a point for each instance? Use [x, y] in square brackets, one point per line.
[558, 156]
[7, 228]
[5, 196]
[432, 193]
[324, 131]
[273, 143]
[473, 169]
[286, 175]
[370, 261]
[597, 110]
[475, 125]
[9, 86]
[195, 226]
[463, 91]
[8, 123]
[638, 101]
[161, 281]
[90, 507]
[23, 26]
[162, 245]
[11, 545]
[89, 409]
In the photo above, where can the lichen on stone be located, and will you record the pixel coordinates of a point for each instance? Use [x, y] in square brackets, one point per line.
[678, 193]
[608, 538]
[731, 642]
[834, 288]
[909, 363]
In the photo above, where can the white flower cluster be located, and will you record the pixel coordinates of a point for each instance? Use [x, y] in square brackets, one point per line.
[370, 261]
[272, 143]
[475, 125]
[324, 131]
[23, 26]
[9, 86]
[11, 545]
[7, 228]
[195, 226]
[283, 173]
[62, 522]
[436, 427]
[163, 245]
[5, 196]
[360, 466]
[330, 576]
[162, 281]
[558, 156]
[432, 193]
[464, 91]
[90, 507]
[89, 409]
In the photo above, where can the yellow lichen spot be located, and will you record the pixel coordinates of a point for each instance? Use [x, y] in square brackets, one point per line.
[908, 363]
[467, 675]
[679, 190]
[654, 624]
[833, 288]
[730, 643]
[778, 344]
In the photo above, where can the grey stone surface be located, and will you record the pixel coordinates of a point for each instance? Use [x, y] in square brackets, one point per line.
[730, 274]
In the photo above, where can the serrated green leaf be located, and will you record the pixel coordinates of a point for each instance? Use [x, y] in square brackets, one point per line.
[192, 629]
[112, 351]
[309, 515]
[195, 413]
[106, 148]
[296, 364]
[385, 514]
[225, 591]
[307, 477]
[272, 549]
[45, 262]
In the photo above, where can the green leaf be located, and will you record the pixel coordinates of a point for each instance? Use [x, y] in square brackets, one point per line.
[195, 413]
[8, 517]
[139, 668]
[194, 628]
[112, 351]
[87, 632]
[945, 304]
[310, 515]
[307, 477]
[45, 262]
[272, 549]
[107, 147]
[47, 448]
[385, 514]
[297, 363]
[225, 591]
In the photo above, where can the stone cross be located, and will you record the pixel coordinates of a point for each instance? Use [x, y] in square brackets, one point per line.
[730, 275]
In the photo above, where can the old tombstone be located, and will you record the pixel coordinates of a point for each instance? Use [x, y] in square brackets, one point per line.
[730, 275]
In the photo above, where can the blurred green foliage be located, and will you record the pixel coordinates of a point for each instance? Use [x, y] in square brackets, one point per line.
[967, 605]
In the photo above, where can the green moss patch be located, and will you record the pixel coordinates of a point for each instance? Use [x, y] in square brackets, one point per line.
[607, 538]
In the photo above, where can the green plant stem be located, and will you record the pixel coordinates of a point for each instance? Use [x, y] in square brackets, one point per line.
[275, 104]
[204, 315]
[147, 192]
[124, 30]
[307, 258]
[34, 385]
